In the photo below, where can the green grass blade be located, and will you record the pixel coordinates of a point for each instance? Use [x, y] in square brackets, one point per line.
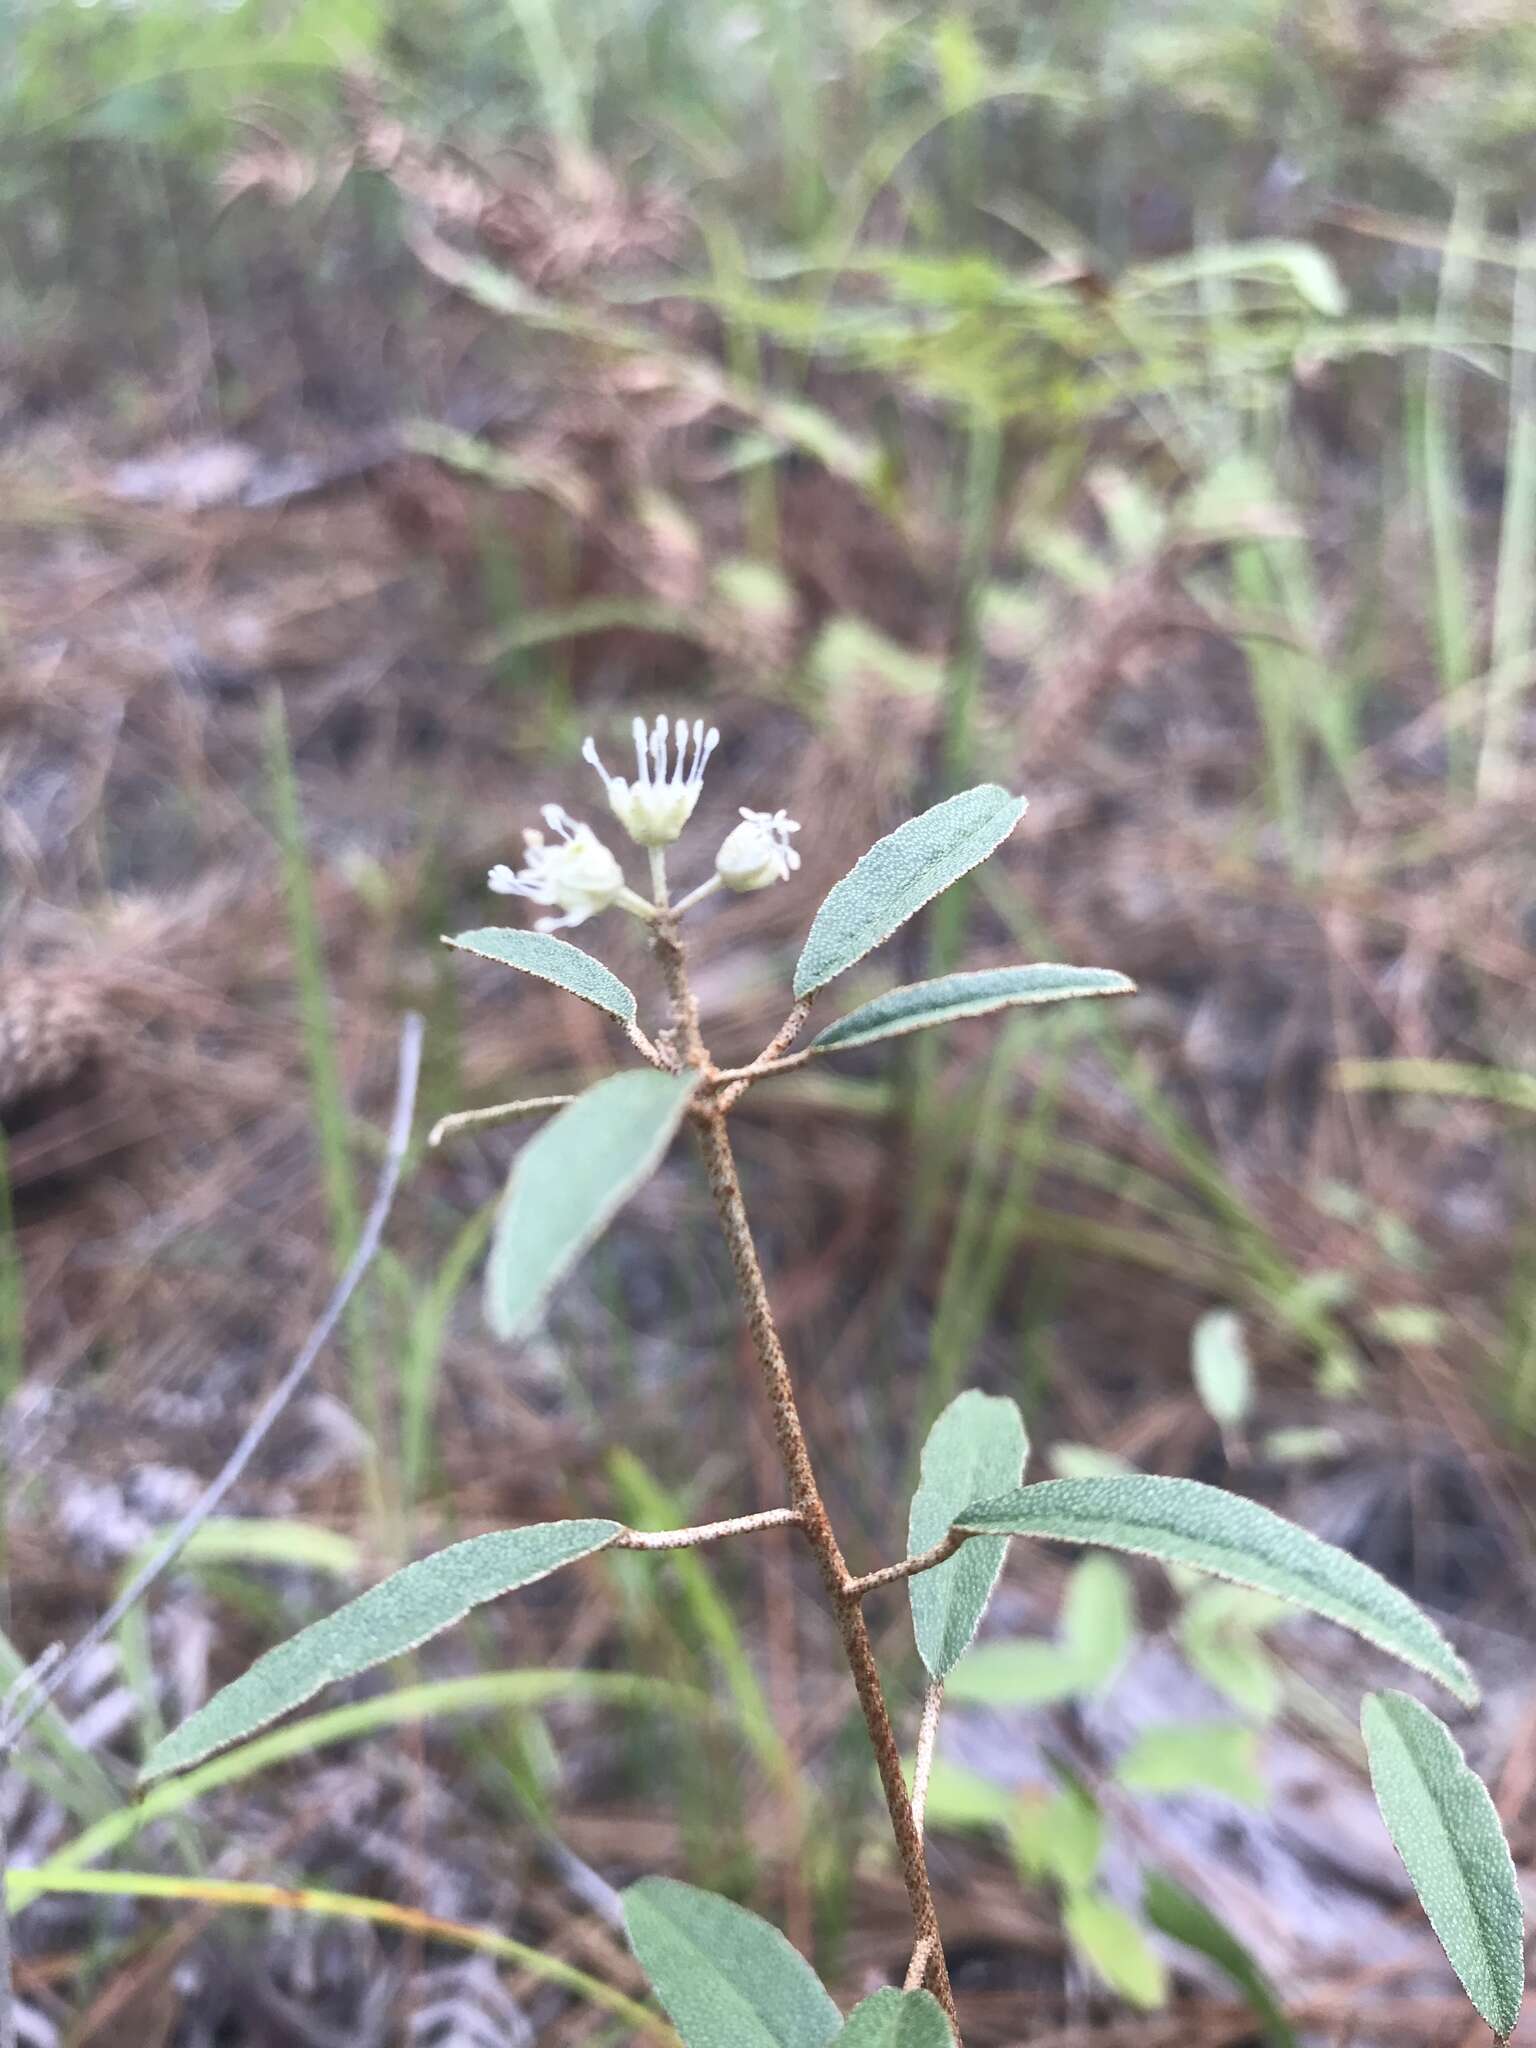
[1180, 1915]
[1514, 597]
[484, 1692]
[225, 1892]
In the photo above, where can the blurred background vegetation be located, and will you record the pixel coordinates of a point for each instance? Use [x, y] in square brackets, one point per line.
[1135, 405]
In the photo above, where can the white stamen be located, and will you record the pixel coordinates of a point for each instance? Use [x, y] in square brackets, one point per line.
[654, 808]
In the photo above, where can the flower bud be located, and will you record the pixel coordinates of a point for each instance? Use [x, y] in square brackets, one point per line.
[758, 853]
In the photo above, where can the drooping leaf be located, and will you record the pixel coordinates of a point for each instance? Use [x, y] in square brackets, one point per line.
[925, 1003]
[899, 874]
[1446, 1830]
[386, 1621]
[1181, 1521]
[1195, 1756]
[551, 959]
[1111, 1943]
[978, 1443]
[569, 1181]
[726, 1978]
[897, 2019]
[1182, 1917]
[1222, 1373]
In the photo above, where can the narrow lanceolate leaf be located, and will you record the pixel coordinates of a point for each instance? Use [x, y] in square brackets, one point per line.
[389, 1619]
[1179, 1521]
[897, 2019]
[977, 1445]
[1447, 1832]
[726, 1978]
[1178, 1913]
[568, 1183]
[899, 874]
[926, 1003]
[551, 960]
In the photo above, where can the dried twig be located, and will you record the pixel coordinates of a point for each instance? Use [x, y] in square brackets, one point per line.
[408, 1073]
[497, 1113]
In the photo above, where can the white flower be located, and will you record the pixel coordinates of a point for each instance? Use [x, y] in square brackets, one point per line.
[758, 852]
[577, 873]
[656, 806]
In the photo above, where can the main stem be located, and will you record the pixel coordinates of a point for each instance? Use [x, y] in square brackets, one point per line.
[804, 1493]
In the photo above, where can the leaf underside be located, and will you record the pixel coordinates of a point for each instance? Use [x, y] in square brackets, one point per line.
[553, 960]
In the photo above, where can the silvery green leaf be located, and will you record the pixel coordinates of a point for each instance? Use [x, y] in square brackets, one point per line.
[568, 1183]
[925, 1003]
[726, 1978]
[1180, 1521]
[899, 874]
[897, 2019]
[1222, 1372]
[977, 1444]
[551, 959]
[386, 1621]
[1447, 1832]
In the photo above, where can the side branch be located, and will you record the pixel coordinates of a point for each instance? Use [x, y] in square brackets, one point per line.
[497, 1113]
[770, 1060]
[707, 1532]
[891, 1574]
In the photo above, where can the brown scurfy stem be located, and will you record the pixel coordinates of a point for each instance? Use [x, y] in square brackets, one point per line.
[805, 1495]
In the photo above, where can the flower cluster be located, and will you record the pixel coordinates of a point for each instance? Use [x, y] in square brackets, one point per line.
[576, 873]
